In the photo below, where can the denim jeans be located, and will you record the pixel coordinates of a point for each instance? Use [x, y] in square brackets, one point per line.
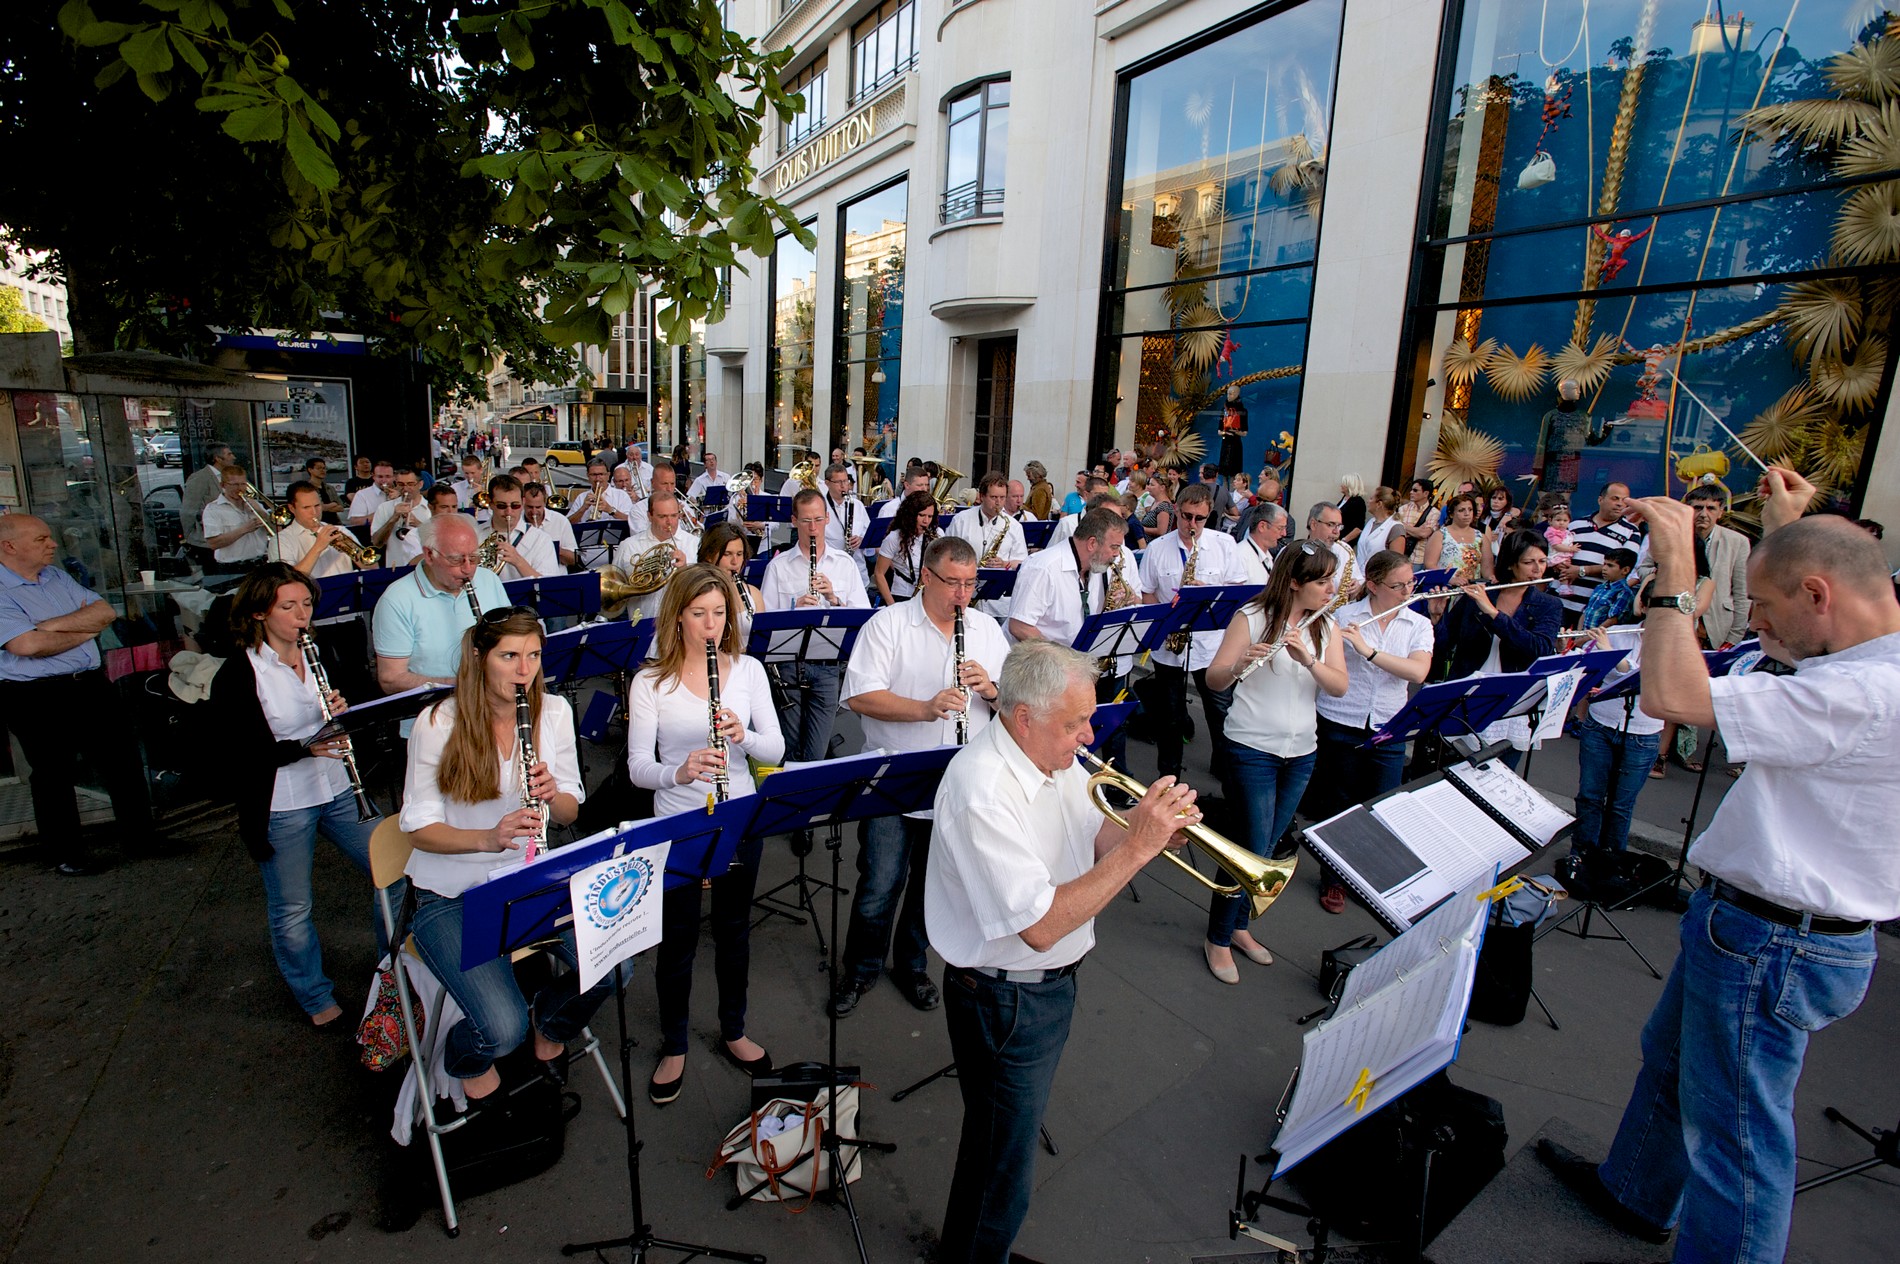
[288, 895]
[1170, 687]
[495, 1014]
[1707, 1139]
[731, 927]
[1612, 769]
[1349, 772]
[1270, 788]
[1007, 1039]
[892, 854]
[808, 704]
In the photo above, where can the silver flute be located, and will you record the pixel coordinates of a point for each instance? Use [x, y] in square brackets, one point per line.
[1275, 647]
[721, 779]
[365, 809]
[956, 672]
[525, 760]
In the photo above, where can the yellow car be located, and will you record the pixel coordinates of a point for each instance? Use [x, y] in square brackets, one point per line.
[565, 454]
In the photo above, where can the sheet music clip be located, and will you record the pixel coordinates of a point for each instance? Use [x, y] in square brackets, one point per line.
[1361, 1090]
[1512, 885]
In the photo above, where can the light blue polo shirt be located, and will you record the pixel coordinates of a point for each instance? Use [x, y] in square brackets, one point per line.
[24, 603]
[420, 622]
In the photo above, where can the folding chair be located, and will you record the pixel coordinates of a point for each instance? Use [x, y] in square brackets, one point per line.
[389, 849]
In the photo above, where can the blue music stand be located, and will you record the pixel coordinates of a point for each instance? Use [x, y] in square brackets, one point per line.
[754, 570]
[1036, 534]
[1113, 633]
[1107, 721]
[994, 583]
[529, 904]
[602, 535]
[875, 533]
[1458, 706]
[760, 507]
[1436, 578]
[339, 595]
[716, 496]
[558, 596]
[596, 649]
[1199, 608]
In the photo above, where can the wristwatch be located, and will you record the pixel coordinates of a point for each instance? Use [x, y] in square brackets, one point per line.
[1683, 602]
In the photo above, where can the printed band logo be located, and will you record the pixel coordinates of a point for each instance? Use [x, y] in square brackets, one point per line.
[617, 891]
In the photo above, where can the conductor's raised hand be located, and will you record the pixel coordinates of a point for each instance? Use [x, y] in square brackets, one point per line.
[1671, 530]
[1164, 810]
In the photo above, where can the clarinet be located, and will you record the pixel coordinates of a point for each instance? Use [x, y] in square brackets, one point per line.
[956, 670]
[524, 761]
[721, 779]
[811, 577]
[474, 604]
[848, 507]
[365, 809]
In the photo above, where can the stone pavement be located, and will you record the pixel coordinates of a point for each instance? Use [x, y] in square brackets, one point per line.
[160, 1098]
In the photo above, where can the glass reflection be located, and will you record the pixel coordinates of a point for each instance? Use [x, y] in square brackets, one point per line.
[871, 325]
[794, 312]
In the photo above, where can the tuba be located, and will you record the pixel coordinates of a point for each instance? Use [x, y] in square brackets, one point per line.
[805, 472]
[1257, 879]
[940, 490]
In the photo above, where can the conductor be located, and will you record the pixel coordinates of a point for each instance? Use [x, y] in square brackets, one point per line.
[1022, 863]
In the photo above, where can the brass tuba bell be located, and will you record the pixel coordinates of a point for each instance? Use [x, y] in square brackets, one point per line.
[1257, 879]
[940, 490]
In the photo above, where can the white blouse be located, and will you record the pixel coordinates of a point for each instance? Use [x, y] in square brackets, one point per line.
[906, 563]
[425, 804]
[665, 725]
[1276, 708]
[294, 713]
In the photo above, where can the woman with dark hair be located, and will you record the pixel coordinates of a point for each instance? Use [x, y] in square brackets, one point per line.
[1484, 634]
[1501, 524]
[1458, 545]
[462, 811]
[1498, 505]
[727, 547]
[1272, 724]
[669, 750]
[683, 464]
[1158, 519]
[290, 784]
[900, 555]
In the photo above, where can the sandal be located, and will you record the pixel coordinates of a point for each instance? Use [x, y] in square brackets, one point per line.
[1660, 771]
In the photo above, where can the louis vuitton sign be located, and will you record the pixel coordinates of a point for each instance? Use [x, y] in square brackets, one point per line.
[822, 152]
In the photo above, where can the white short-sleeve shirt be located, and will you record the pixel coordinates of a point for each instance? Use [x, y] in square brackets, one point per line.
[1374, 695]
[294, 712]
[537, 550]
[788, 577]
[1162, 565]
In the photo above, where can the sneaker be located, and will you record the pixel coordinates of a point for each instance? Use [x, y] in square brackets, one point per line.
[920, 992]
[1332, 897]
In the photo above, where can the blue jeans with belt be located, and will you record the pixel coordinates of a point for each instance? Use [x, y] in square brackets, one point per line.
[1707, 1140]
[1007, 1039]
[1612, 768]
[289, 897]
[495, 1014]
[1270, 788]
[892, 854]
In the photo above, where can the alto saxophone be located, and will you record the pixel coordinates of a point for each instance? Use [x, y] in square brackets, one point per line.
[996, 545]
[716, 741]
[1347, 582]
[1177, 642]
[1116, 595]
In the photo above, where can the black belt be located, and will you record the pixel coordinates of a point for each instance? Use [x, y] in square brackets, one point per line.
[1019, 976]
[60, 676]
[1768, 910]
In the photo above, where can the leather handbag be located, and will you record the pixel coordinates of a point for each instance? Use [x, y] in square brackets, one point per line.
[1336, 963]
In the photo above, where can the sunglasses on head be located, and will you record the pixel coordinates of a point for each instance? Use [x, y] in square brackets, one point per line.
[502, 614]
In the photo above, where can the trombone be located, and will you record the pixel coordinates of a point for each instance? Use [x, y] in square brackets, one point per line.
[1257, 879]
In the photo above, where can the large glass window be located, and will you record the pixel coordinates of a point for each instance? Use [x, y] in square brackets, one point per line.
[883, 46]
[978, 152]
[1679, 210]
[794, 311]
[812, 83]
[1216, 217]
[870, 338]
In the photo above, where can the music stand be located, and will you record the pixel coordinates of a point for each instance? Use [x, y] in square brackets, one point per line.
[1199, 608]
[525, 905]
[575, 654]
[808, 634]
[1036, 534]
[1461, 706]
[339, 595]
[875, 533]
[995, 583]
[1426, 580]
[558, 596]
[598, 539]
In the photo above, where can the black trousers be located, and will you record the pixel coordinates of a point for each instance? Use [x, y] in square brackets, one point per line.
[1172, 722]
[58, 720]
[731, 927]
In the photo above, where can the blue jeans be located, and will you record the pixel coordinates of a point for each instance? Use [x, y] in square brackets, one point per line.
[1270, 788]
[288, 894]
[1612, 769]
[1007, 1039]
[495, 1014]
[892, 854]
[1708, 1136]
[731, 926]
[808, 704]
[1348, 772]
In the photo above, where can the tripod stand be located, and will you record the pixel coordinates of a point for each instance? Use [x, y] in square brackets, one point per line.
[1885, 1141]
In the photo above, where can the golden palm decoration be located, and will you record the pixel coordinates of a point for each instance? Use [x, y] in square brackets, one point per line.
[1187, 296]
[1587, 369]
[1851, 381]
[1876, 148]
[1464, 455]
[1822, 315]
[1866, 72]
[1201, 338]
[1834, 453]
[1514, 376]
[1302, 170]
[1868, 229]
[1180, 444]
[1822, 121]
[1186, 382]
[1778, 431]
[1463, 362]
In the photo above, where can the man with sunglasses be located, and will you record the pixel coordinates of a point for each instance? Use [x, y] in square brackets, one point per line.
[903, 682]
[527, 552]
[1067, 582]
[418, 624]
[1163, 571]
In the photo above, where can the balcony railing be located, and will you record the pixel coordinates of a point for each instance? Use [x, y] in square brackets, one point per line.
[967, 201]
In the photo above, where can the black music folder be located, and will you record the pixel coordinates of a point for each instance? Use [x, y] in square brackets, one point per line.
[1406, 852]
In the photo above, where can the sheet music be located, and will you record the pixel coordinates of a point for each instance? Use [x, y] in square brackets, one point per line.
[1399, 880]
[1451, 833]
[1513, 797]
[1459, 919]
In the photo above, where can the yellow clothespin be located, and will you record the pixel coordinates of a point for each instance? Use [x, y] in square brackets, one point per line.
[1361, 1090]
[1507, 887]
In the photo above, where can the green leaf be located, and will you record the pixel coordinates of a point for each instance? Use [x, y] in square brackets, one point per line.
[320, 118]
[231, 96]
[614, 300]
[256, 123]
[188, 51]
[146, 51]
[154, 87]
[96, 34]
[110, 74]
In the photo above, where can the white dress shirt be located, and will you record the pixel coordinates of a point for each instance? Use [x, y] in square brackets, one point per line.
[901, 650]
[1005, 838]
[536, 548]
[221, 516]
[424, 803]
[404, 546]
[1256, 564]
[788, 577]
[906, 563]
[294, 713]
[836, 512]
[367, 501]
[667, 723]
[977, 531]
[559, 530]
[1810, 823]
[1274, 709]
[1049, 591]
[647, 605]
[1623, 714]
[612, 498]
[387, 510]
[294, 541]
[1162, 565]
[1374, 695]
[703, 484]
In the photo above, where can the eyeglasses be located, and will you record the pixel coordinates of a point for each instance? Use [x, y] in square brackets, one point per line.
[457, 559]
[959, 585]
[502, 614]
[1188, 517]
[1407, 586]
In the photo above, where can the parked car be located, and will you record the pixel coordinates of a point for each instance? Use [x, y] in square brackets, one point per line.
[163, 506]
[565, 453]
[165, 451]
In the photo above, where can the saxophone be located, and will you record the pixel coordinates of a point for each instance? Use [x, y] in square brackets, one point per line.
[1177, 642]
[956, 679]
[716, 741]
[1116, 595]
[996, 544]
[1348, 580]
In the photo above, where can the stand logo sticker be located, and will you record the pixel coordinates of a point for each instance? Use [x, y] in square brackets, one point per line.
[617, 891]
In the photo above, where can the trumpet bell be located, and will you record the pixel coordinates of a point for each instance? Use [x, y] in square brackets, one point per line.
[1256, 879]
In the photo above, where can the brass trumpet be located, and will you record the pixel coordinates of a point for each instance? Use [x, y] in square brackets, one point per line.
[1257, 879]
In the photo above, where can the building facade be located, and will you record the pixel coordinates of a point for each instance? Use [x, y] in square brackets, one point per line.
[1373, 233]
